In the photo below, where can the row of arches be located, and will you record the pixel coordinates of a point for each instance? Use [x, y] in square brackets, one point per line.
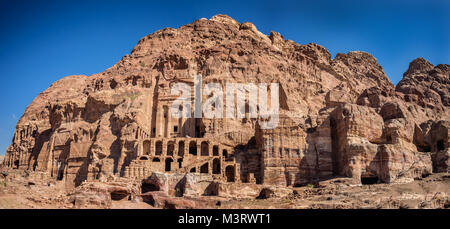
[229, 173]
[192, 149]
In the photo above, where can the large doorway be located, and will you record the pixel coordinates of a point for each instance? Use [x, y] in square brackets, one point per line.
[193, 148]
[181, 148]
[170, 148]
[168, 167]
[158, 148]
[205, 149]
[216, 166]
[230, 173]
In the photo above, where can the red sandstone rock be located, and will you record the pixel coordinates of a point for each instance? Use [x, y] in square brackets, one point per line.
[339, 116]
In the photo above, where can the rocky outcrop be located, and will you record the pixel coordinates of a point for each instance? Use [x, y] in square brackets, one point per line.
[101, 194]
[338, 117]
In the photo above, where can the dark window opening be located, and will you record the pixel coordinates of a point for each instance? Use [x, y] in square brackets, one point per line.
[192, 170]
[175, 129]
[147, 147]
[168, 164]
[180, 163]
[143, 158]
[225, 153]
[158, 148]
[193, 148]
[156, 160]
[205, 149]
[181, 149]
[216, 166]
[170, 148]
[215, 151]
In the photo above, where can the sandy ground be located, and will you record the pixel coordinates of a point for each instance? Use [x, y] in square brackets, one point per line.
[21, 190]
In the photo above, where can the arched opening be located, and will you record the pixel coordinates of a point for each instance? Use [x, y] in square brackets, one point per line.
[204, 168]
[193, 148]
[180, 163]
[193, 170]
[440, 145]
[230, 173]
[158, 148]
[225, 153]
[215, 150]
[205, 149]
[143, 158]
[16, 164]
[168, 164]
[170, 148]
[156, 160]
[369, 180]
[216, 166]
[181, 148]
[147, 147]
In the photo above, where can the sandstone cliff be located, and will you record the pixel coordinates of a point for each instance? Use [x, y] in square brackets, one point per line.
[339, 117]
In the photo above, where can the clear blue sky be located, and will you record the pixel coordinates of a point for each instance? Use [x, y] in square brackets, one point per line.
[43, 41]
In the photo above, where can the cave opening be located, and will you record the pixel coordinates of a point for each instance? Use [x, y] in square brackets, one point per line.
[118, 195]
[369, 180]
[149, 187]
